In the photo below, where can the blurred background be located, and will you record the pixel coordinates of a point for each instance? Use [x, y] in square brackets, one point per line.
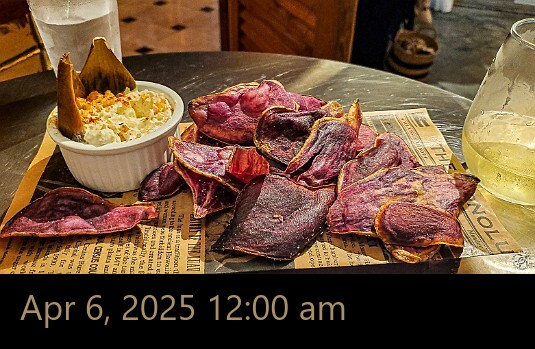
[461, 36]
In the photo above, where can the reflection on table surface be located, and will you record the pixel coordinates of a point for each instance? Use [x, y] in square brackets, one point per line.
[520, 223]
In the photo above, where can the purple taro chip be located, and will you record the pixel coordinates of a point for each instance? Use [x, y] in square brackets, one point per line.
[275, 218]
[330, 145]
[161, 183]
[230, 116]
[389, 151]
[281, 132]
[245, 163]
[416, 225]
[357, 205]
[366, 138]
[209, 161]
[409, 254]
[75, 211]
[209, 195]
[193, 135]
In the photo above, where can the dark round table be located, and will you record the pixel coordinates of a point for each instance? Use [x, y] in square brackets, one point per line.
[26, 102]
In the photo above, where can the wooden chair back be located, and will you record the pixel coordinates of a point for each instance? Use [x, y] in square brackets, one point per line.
[313, 28]
[21, 48]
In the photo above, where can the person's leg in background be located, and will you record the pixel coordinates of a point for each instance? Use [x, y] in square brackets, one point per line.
[377, 24]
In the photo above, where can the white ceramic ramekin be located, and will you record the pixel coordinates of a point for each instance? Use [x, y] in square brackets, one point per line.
[120, 167]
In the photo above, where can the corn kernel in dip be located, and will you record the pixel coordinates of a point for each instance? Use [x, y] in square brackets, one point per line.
[109, 118]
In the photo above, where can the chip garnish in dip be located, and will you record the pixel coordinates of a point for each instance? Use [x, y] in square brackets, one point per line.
[108, 118]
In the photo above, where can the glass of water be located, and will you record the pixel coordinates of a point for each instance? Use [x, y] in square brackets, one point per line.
[499, 131]
[71, 25]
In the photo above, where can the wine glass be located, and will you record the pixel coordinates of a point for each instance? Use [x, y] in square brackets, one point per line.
[498, 139]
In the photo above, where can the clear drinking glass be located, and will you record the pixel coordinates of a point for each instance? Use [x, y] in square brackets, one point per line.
[71, 25]
[498, 138]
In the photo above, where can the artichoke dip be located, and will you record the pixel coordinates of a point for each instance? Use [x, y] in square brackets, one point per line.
[109, 118]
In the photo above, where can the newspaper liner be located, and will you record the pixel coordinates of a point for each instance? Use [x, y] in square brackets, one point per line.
[176, 242]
